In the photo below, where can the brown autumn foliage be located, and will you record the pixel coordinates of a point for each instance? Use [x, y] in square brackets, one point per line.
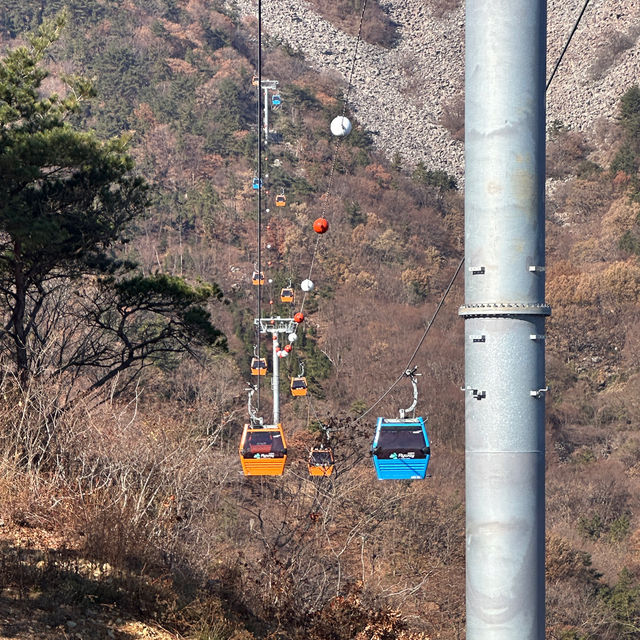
[377, 27]
[139, 504]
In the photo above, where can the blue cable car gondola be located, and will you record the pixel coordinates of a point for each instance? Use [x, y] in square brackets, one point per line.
[257, 183]
[401, 449]
[276, 100]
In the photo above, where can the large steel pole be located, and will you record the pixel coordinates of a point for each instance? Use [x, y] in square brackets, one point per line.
[504, 315]
[276, 380]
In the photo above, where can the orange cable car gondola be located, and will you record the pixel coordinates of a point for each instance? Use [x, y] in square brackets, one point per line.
[321, 462]
[299, 386]
[263, 450]
[258, 366]
[286, 294]
[281, 200]
[257, 278]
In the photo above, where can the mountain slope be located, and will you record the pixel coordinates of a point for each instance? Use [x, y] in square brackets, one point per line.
[406, 94]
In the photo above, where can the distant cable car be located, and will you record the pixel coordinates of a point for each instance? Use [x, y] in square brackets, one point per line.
[276, 100]
[257, 183]
[257, 278]
[400, 448]
[263, 450]
[254, 80]
[281, 200]
[299, 386]
[321, 461]
[258, 366]
[286, 294]
[299, 383]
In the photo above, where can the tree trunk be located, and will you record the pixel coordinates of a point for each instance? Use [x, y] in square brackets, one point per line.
[17, 317]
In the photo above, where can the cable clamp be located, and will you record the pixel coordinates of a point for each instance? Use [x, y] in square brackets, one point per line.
[538, 393]
[476, 393]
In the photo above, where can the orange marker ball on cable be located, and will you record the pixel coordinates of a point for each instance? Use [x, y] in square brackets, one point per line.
[321, 225]
[299, 317]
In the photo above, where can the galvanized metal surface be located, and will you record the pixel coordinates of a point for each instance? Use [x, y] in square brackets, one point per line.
[275, 326]
[504, 315]
[275, 382]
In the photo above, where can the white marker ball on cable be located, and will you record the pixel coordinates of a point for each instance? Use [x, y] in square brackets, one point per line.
[341, 126]
[270, 280]
[292, 337]
[307, 285]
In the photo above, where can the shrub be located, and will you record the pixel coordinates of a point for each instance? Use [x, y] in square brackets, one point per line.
[619, 528]
[630, 112]
[565, 152]
[591, 527]
[630, 243]
[625, 160]
[615, 44]
[441, 8]
[452, 118]
[377, 26]
[436, 178]
[623, 600]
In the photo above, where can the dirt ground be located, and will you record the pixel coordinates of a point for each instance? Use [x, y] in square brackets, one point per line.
[48, 592]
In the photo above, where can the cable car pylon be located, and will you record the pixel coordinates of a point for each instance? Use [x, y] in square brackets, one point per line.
[266, 86]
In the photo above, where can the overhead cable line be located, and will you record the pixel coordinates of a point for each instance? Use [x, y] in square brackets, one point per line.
[566, 46]
[422, 339]
[334, 161]
[455, 275]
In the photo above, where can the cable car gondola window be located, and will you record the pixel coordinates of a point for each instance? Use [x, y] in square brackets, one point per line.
[263, 443]
[321, 458]
[263, 450]
[401, 440]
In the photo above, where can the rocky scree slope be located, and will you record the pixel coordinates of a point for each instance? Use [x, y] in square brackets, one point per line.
[401, 94]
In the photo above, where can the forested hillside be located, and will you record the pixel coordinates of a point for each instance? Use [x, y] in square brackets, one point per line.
[129, 235]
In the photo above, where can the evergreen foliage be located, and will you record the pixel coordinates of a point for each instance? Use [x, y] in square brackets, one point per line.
[68, 200]
[437, 178]
[627, 159]
[630, 113]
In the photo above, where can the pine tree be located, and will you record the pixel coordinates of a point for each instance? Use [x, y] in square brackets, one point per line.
[67, 202]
